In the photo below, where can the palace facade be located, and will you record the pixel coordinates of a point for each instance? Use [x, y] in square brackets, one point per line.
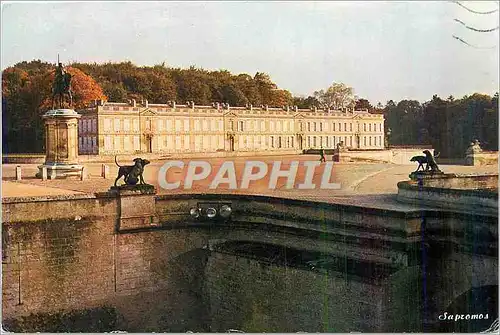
[109, 128]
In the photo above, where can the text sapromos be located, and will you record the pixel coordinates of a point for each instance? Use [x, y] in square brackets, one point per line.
[253, 171]
[456, 317]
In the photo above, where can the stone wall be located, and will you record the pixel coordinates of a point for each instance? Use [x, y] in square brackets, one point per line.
[64, 255]
[482, 158]
[473, 200]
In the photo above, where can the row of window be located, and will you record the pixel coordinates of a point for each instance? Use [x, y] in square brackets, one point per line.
[214, 142]
[87, 125]
[332, 141]
[217, 125]
[87, 144]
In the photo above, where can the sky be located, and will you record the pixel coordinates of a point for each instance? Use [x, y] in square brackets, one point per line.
[384, 50]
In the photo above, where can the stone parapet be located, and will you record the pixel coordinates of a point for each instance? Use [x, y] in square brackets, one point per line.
[482, 158]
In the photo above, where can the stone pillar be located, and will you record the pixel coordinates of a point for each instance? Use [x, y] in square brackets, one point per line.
[18, 173]
[137, 206]
[61, 143]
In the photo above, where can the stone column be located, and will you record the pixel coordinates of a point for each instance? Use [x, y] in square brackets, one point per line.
[61, 144]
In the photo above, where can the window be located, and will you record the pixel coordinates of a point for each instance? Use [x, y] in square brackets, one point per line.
[107, 143]
[107, 124]
[136, 125]
[364, 141]
[117, 143]
[178, 125]
[186, 125]
[370, 127]
[271, 125]
[364, 127]
[272, 141]
[333, 128]
[340, 126]
[126, 143]
[370, 140]
[196, 125]
[137, 145]
[345, 126]
[263, 125]
[117, 125]
[213, 125]
[80, 140]
[350, 126]
[205, 125]
[321, 126]
[308, 126]
[126, 124]
[315, 125]
[314, 141]
[177, 143]
[241, 125]
[231, 125]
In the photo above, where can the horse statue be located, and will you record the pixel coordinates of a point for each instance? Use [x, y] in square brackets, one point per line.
[61, 87]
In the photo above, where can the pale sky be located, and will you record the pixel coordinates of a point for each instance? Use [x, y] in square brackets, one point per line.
[384, 50]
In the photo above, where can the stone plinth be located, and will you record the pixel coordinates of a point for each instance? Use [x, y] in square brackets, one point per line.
[136, 206]
[61, 144]
[468, 193]
[426, 175]
[481, 158]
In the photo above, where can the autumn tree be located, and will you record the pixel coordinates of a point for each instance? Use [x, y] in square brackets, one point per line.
[338, 96]
[26, 95]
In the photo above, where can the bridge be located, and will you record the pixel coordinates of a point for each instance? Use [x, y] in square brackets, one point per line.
[158, 263]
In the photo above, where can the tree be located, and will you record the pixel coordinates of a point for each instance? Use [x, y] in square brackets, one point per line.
[363, 104]
[338, 96]
[305, 103]
[84, 89]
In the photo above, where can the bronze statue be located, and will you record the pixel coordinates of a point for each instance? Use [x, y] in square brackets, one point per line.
[428, 159]
[61, 87]
[132, 174]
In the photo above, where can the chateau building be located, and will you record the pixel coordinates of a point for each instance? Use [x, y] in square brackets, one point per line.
[110, 128]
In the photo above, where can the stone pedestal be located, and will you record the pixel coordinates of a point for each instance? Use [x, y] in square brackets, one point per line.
[137, 208]
[426, 175]
[61, 144]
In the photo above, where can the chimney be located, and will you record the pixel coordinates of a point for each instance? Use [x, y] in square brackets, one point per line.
[134, 103]
[296, 108]
[146, 103]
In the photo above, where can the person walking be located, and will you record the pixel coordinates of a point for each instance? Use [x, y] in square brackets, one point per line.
[322, 154]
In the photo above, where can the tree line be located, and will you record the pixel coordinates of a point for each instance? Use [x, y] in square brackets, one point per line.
[447, 124]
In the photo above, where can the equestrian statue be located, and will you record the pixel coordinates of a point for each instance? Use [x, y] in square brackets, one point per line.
[61, 87]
